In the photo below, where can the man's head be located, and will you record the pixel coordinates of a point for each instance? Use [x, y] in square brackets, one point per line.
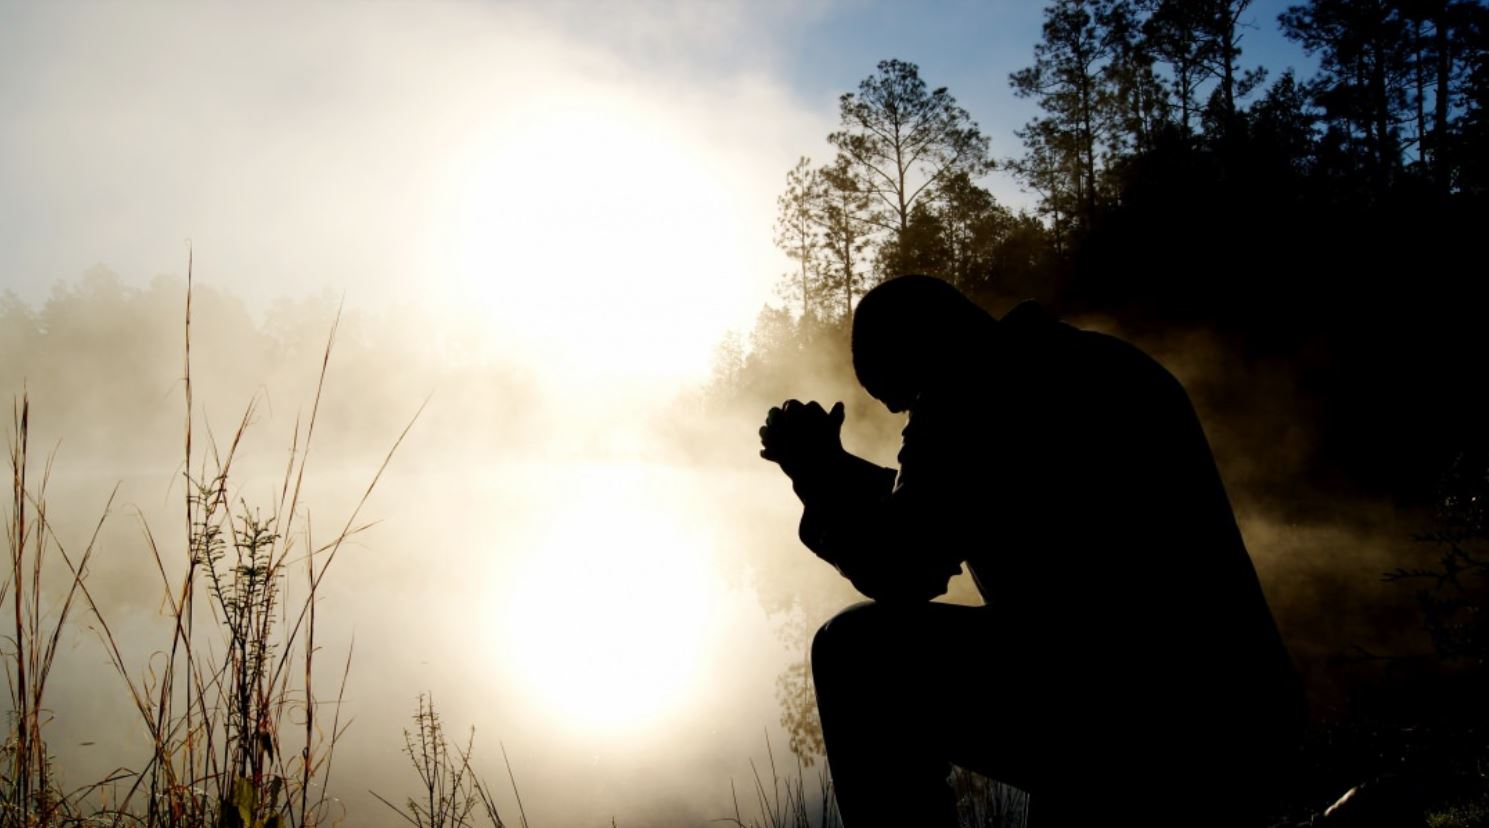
[914, 333]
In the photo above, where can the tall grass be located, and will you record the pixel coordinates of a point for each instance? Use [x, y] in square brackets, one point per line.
[985, 803]
[788, 802]
[221, 701]
[450, 793]
[29, 794]
[795, 801]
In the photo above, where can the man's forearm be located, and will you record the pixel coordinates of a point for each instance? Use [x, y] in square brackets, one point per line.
[840, 476]
[870, 548]
[849, 521]
[853, 519]
[839, 493]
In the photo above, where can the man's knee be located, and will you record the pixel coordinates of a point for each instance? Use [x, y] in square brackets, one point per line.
[841, 634]
[853, 637]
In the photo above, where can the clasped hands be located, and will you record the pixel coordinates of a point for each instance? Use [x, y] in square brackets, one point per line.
[802, 437]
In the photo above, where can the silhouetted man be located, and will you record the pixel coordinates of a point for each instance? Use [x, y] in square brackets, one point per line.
[1125, 669]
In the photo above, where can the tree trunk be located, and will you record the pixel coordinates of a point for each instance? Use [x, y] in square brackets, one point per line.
[848, 278]
[1421, 80]
[1185, 93]
[1441, 106]
[1088, 141]
[1227, 33]
[803, 282]
[1380, 102]
[1228, 81]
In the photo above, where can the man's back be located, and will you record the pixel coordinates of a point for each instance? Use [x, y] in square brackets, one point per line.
[1094, 520]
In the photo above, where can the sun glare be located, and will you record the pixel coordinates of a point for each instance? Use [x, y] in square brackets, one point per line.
[599, 236]
[610, 613]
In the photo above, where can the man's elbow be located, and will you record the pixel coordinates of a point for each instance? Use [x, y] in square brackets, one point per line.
[899, 588]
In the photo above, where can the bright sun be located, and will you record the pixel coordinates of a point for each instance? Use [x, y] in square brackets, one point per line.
[604, 244]
[598, 235]
[613, 608]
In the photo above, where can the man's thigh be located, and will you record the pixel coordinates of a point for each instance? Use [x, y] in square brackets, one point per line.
[964, 676]
[990, 694]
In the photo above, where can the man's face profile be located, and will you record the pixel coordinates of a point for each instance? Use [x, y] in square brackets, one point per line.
[893, 382]
[910, 334]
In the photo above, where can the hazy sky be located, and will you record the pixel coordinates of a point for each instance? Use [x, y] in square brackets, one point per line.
[615, 160]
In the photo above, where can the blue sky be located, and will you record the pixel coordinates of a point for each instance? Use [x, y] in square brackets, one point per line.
[973, 45]
[971, 48]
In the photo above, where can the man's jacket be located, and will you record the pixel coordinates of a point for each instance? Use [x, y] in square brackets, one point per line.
[1069, 472]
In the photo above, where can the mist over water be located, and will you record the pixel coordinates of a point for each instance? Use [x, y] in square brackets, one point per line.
[561, 578]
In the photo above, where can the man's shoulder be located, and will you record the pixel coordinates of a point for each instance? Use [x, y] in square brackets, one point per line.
[1094, 358]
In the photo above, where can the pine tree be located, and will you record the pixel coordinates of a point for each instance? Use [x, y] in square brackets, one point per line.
[899, 139]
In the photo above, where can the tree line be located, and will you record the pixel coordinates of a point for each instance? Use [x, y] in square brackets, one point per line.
[1177, 183]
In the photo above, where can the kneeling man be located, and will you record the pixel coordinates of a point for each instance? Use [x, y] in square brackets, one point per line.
[1125, 668]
